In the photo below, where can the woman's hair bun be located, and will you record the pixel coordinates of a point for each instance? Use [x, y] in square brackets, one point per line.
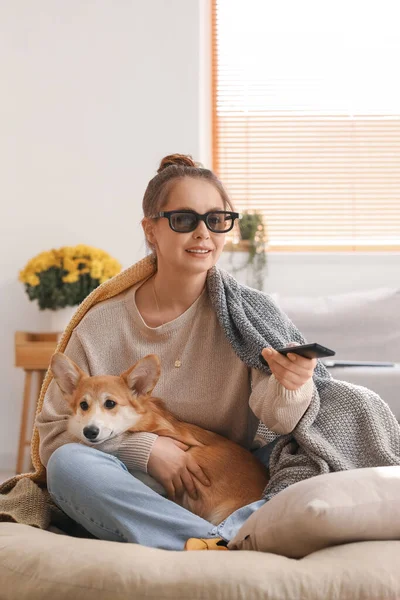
[179, 160]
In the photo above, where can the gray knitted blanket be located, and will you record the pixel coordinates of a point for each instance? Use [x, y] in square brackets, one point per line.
[345, 427]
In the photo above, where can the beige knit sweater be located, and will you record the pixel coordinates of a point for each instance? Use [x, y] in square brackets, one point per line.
[213, 388]
[25, 499]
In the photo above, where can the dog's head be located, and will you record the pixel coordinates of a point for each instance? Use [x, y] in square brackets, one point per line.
[104, 406]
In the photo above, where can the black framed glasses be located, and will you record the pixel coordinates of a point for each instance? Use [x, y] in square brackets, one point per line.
[183, 221]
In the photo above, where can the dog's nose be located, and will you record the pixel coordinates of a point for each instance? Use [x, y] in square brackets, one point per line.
[91, 433]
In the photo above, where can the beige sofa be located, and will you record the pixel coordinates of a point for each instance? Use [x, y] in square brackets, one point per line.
[36, 565]
[311, 541]
[359, 326]
[329, 537]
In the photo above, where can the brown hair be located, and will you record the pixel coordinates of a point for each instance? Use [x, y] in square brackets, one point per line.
[172, 168]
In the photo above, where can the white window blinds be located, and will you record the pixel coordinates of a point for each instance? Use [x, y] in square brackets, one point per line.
[306, 119]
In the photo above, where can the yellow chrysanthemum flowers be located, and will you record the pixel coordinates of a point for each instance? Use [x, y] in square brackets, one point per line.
[65, 276]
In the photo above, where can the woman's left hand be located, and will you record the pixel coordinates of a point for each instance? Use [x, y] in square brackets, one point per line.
[292, 370]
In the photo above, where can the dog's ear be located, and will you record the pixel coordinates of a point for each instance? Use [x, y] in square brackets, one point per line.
[143, 376]
[66, 373]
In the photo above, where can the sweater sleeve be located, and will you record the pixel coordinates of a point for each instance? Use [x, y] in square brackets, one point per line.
[278, 408]
[133, 449]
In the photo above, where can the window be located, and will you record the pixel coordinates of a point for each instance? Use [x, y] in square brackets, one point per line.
[306, 119]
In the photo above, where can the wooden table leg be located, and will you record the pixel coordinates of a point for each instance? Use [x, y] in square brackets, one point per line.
[40, 378]
[24, 419]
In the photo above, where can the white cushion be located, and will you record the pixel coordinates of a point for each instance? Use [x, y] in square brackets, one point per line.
[361, 325]
[334, 508]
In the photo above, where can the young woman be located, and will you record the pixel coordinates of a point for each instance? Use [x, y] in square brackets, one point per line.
[187, 214]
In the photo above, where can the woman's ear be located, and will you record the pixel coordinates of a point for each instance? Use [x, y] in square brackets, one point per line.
[148, 226]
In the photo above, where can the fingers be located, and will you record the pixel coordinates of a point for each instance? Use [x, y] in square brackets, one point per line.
[179, 486]
[292, 362]
[188, 483]
[198, 472]
[292, 371]
[301, 361]
[298, 376]
[180, 445]
[301, 365]
[288, 379]
[170, 489]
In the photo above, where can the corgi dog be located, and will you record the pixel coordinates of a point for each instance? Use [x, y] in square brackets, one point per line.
[105, 406]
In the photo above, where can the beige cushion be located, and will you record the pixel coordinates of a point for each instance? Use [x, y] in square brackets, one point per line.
[335, 508]
[40, 565]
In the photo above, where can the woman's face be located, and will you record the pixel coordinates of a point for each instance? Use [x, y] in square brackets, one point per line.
[172, 247]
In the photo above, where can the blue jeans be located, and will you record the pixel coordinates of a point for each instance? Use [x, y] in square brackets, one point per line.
[97, 491]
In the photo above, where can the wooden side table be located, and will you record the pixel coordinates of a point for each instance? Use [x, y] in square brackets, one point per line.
[33, 352]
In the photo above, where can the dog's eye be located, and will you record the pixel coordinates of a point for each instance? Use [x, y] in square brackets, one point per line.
[109, 403]
[84, 405]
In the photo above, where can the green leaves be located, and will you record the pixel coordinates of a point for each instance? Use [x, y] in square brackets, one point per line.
[53, 293]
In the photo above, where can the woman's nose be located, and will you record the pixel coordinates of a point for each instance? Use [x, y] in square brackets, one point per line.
[202, 230]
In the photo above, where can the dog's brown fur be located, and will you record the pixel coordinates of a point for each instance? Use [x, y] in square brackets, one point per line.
[237, 477]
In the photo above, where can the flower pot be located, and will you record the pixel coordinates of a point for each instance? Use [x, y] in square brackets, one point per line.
[60, 318]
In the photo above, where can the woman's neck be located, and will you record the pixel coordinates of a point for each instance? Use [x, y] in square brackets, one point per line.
[175, 292]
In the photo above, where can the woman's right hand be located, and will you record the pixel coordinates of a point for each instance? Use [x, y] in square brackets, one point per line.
[174, 468]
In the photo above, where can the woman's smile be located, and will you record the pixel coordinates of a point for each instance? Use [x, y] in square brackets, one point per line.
[199, 252]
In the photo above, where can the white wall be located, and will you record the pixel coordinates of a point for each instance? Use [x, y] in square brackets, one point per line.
[93, 94]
